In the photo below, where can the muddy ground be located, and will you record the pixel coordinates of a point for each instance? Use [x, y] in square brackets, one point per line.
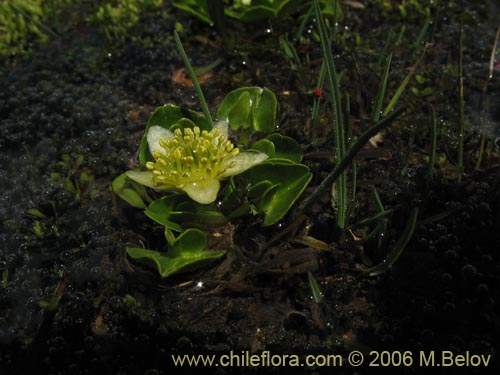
[79, 104]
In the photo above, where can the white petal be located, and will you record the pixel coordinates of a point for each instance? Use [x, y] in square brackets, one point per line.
[203, 191]
[223, 128]
[146, 178]
[155, 135]
[244, 161]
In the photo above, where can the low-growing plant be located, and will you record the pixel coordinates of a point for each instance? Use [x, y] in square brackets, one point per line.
[206, 179]
[216, 11]
[22, 21]
[117, 17]
[243, 10]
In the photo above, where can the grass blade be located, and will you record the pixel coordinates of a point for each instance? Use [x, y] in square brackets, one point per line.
[317, 99]
[383, 223]
[192, 75]
[402, 87]
[316, 292]
[337, 108]
[373, 219]
[379, 99]
[421, 36]
[302, 26]
[398, 249]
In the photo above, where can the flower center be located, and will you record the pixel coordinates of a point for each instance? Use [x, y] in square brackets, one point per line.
[192, 155]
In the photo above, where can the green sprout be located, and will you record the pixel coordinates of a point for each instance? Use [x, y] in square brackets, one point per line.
[193, 161]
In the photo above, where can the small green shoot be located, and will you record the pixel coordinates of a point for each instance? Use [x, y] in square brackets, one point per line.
[394, 100]
[421, 35]
[53, 304]
[379, 99]
[290, 52]
[316, 292]
[398, 249]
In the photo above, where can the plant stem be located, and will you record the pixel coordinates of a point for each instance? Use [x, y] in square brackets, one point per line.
[193, 77]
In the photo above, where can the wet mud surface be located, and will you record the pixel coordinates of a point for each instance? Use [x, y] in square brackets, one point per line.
[71, 118]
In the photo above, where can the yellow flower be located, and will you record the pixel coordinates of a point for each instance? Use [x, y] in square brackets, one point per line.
[193, 161]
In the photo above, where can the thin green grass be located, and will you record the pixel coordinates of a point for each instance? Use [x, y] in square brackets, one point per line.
[397, 95]
[317, 99]
[379, 99]
[421, 35]
[337, 109]
[193, 77]
[313, 284]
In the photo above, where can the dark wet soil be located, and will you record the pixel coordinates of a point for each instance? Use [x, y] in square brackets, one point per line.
[71, 117]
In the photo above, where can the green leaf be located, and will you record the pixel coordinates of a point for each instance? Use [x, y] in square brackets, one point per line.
[131, 192]
[170, 116]
[315, 290]
[257, 11]
[190, 241]
[257, 190]
[197, 8]
[240, 112]
[178, 210]
[249, 108]
[287, 7]
[161, 210]
[37, 213]
[266, 146]
[193, 214]
[187, 252]
[285, 182]
[279, 146]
